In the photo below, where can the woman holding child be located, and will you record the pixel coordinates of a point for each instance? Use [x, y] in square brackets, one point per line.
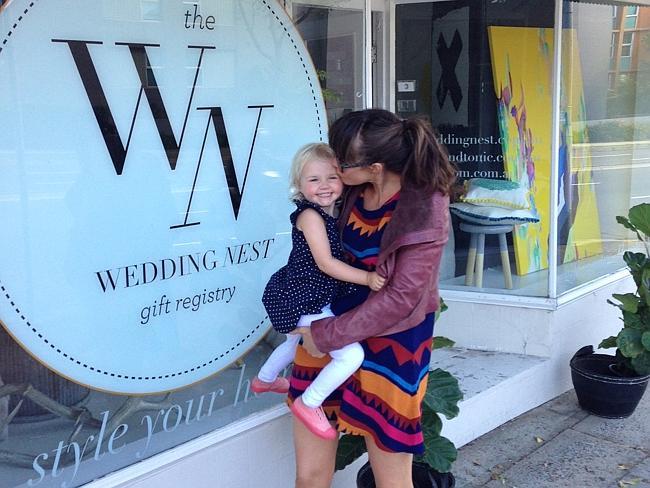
[394, 219]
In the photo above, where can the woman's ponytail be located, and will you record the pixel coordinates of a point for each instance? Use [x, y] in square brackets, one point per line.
[427, 163]
[407, 147]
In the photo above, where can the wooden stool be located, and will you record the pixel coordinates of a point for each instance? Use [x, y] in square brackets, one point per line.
[474, 271]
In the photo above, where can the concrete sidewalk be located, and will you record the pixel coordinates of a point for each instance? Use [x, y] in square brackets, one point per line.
[561, 446]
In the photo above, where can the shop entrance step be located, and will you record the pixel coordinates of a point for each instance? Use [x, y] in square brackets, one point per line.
[497, 387]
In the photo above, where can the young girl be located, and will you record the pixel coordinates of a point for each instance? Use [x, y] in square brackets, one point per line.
[302, 290]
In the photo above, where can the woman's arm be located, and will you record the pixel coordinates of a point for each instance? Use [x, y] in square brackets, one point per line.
[313, 228]
[414, 266]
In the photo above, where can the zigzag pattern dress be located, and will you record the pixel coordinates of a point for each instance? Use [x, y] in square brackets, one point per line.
[383, 398]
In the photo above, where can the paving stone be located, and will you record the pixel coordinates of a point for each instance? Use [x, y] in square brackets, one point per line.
[632, 482]
[633, 431]
[641, 470]
[579, 450]
[495, 452]
[572, 459]
[567, 404]
[463, 483]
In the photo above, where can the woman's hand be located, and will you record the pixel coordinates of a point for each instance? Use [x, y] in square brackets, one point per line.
[308, 342]
[375, 282]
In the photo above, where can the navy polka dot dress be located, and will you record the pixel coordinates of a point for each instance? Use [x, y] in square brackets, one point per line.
[299, 287]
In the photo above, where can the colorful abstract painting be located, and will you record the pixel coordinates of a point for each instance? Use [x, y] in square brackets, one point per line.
[522, 66]
[578, 223]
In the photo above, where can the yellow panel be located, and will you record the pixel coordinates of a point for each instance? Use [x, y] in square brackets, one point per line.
[578, 191]
[522, 65]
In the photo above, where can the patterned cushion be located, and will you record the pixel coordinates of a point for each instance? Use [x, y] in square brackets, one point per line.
[481, 214]
[496, 193]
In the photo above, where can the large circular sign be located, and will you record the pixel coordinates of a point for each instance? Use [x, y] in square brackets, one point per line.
[144, 148]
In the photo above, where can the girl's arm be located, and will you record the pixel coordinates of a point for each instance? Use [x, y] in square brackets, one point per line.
[313, 228]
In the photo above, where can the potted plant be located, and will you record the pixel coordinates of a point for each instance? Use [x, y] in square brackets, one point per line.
[612, 386]
[432, 469]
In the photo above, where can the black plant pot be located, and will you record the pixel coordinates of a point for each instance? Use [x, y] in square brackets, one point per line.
[600, 390]
[423, 477]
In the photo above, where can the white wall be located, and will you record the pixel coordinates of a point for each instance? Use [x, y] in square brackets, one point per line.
[532, 331]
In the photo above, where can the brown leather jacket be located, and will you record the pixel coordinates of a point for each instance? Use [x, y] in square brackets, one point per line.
[409, 258]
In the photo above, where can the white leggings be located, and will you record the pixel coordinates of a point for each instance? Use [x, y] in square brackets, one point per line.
[344, 363]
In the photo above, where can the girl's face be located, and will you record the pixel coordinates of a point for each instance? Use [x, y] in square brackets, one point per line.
[320, 184]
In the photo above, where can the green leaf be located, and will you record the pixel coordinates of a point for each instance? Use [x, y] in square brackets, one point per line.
[644, 286]
[645, 340]
[624, 364]
[629, 343]
[641, 363]
[633, 320]
[443, 393]
[440, 454]
[639, 216]
[440, 341]
[441, 308]
[349, 449]
[625, 222]
[607, 343]
[431, 422]
[629, 301]
[645, 276]
[635, 260]
[443, 305]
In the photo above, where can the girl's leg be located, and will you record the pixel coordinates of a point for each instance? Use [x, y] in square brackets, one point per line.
[279, 359]
[283, 355]
[312, 415]
[315, 458]
[391, 469]
[267, 379]
[344, 363]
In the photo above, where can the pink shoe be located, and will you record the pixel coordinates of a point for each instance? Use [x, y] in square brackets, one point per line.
[314, 419]
[278, 385]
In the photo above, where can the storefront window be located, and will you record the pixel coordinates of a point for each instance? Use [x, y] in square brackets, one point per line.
[482, 72]
[144, 203]
[605, 136]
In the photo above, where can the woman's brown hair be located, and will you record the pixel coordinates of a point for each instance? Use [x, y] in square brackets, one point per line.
[408, 147]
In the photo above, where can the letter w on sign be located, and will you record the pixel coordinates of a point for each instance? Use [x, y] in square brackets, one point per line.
[216, 117]
[148, 85]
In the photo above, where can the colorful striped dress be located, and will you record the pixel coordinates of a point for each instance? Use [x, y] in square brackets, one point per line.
[383, 398]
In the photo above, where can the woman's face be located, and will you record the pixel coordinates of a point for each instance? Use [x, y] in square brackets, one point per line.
[354, 176]
[352, 173]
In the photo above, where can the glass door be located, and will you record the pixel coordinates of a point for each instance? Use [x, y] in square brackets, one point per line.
[333, 32]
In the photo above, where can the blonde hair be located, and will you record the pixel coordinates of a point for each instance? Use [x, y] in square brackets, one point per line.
[308, 152]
